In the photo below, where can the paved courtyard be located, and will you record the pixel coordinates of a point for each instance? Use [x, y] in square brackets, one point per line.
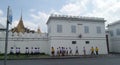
[107, 60]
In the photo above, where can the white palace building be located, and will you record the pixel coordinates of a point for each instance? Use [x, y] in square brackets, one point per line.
[114, 37]
[63, 31]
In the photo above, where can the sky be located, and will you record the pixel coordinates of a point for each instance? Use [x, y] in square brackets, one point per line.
[35, 13]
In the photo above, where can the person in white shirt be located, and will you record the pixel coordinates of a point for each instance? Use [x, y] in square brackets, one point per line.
[32, 51]
[35, 52]
[58, 52]
[66, 52]
[17, 51]
[12, 50]
[84, 50]
[76, 52]
[70, 51]
[38, 51]
[27, 51]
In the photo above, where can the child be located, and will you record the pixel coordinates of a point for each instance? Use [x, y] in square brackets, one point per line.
[92, 50]
[96, 50]
[76, 52]
[52, 51]
[84, 50]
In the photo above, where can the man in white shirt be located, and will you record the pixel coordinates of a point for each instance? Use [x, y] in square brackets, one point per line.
[12, 50]
[27, 51]
[32, 51]
[35, 52]
[70, 51]
[17, 50]
[76, 52]
[38, 50]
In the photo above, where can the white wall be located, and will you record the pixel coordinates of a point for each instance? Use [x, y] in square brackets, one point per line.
[25, 40]
[115, 39]
[65, 38]
[100, 43]
[80, 28]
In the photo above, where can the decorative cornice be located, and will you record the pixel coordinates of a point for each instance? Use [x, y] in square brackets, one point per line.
[75, 18]
[114, 23]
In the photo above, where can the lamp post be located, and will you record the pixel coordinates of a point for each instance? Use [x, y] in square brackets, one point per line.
[9, 20]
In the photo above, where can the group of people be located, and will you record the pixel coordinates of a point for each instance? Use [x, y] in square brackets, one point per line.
[17, 51]
[33, 51]
[62, 51]
[94, 51]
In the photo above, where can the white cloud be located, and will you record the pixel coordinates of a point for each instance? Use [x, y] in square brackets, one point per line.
[2, 19]
[71, 9]
[108, 9]
[40, 18]
[75, 8]
[1, 12]
[30, 25]
[54, 12]
[39, 15]
[32, 10]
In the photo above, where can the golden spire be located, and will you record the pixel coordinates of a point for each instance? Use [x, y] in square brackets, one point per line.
[20, 27]
[21, 15]
[38, 30]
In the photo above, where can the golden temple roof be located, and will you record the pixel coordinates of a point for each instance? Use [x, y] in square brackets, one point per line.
[20, 27]
[38, 30]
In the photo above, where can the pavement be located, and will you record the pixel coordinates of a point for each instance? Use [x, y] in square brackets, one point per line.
[37, 57]
[110, 59]
[71, 57]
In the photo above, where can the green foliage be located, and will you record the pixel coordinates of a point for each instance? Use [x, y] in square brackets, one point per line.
[23, 56]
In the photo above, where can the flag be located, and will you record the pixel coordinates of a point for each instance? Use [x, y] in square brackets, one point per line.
[9, 15]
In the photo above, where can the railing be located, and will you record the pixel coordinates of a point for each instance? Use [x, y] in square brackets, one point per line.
[80, 17]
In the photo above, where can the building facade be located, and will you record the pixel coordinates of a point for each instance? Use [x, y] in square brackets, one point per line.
[114, 37]
[75, 31]
[63, 31]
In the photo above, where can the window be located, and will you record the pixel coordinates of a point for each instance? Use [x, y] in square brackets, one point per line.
[49, 29]
[11, 47]
[87, 42]
[59, 28]
[73, 29]
[98, 29]
[26, 47]
[73, 42]
[118, 31]
[111, 33]
[86, 29]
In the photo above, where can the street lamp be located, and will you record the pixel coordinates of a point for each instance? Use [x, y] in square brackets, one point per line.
[9, 20]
